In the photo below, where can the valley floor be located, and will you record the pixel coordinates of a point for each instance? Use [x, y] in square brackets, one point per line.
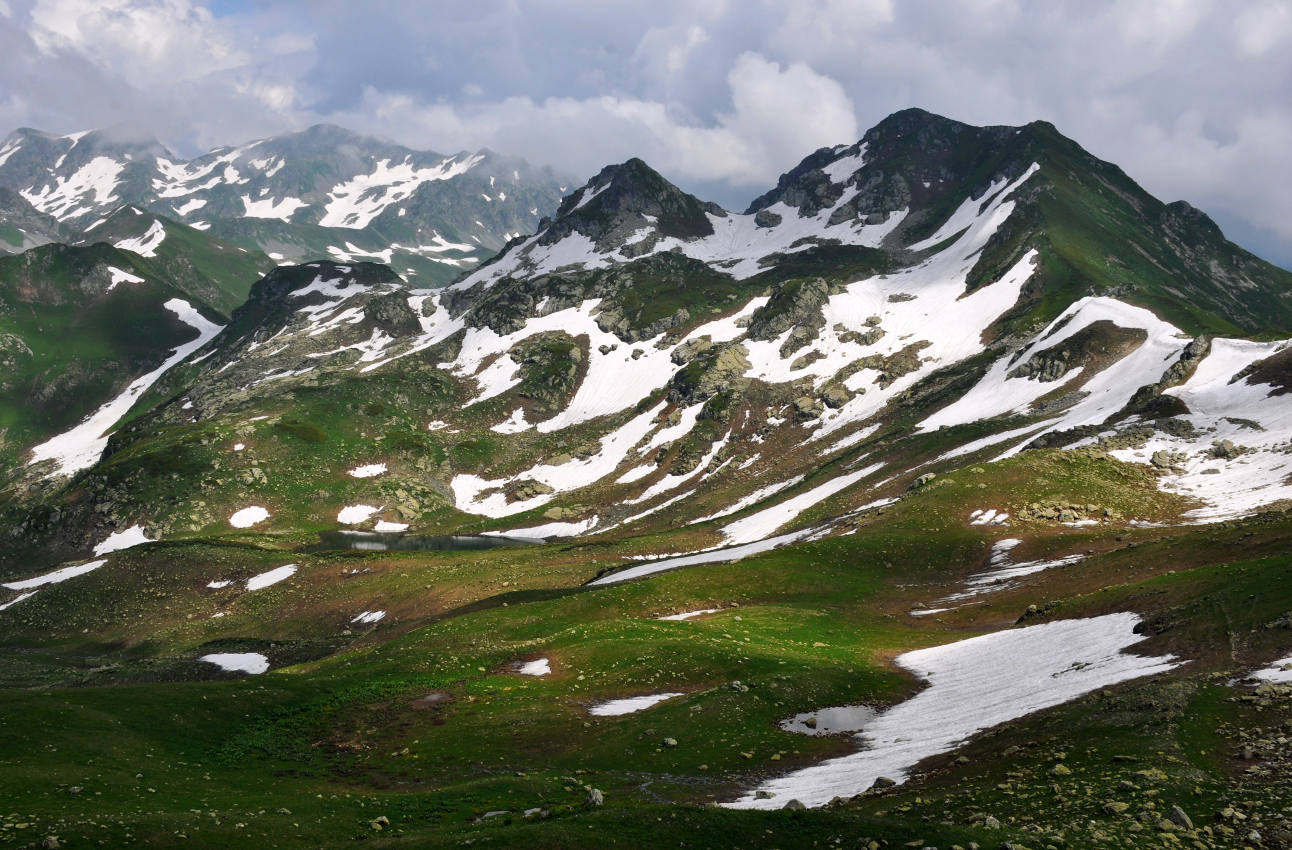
[479, 707]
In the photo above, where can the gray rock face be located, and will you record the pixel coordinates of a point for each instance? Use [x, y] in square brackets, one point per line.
[709, 375]
[617, 203]
[1178, 817]
[795, 303]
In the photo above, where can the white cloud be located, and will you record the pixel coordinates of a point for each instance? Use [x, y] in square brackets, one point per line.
[835, 21]
[1261, 27]
[1155, 24]
[147, 41]
[776, 115]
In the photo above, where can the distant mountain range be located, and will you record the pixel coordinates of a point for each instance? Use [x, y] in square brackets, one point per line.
[321, 193]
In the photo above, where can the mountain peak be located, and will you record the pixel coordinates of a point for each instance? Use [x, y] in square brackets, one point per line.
[624, 198]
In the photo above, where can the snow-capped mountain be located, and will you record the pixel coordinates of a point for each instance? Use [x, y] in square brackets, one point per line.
[675, 337]
[323, 192]
[956, 440]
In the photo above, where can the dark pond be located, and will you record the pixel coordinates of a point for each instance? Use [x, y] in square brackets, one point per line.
[371, 541]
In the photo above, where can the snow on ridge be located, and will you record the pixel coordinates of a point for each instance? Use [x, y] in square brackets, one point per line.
[752, 499]
[997, 394]
[968, 211]
[469, 490]
[357, 201]
[147, 244]
[81, 447]
[67, 197]
[191, 205]
[845, 166]
[1223, 408]
[974, 685]
[1220, 408]
[282, 209]
[117, 275]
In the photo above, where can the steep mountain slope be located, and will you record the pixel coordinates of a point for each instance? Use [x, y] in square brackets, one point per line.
[210, 270]
[22, 226]
[955, 440]
[81, 326]
[323, 192]
[660, 341]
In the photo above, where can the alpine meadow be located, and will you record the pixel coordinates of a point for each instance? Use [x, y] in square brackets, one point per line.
[358, 494]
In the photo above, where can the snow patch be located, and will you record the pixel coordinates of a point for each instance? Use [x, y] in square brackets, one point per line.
[974, 684]
[117, 540]
[248, 517]
[537, 667]
[146, 245]
[265, 579]
[1279, 672]
[628, 705]
[82, 446]
[686, 615]
[356, 514]
[55, 577]
[117, 275]
[238, 662]
[282, 209]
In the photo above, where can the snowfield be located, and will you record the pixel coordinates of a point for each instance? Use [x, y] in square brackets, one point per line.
[973, 685]
[147, 244]
[82, 446]
[356, 202]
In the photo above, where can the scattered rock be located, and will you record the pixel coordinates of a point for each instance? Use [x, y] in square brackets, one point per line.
[1178, 817]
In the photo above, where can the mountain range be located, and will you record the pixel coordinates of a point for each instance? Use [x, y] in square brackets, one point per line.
[948, 478]
[323, 192]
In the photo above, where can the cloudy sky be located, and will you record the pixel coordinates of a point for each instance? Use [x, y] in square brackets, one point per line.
[1193, 98]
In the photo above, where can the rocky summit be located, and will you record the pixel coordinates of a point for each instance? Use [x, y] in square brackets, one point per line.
[940, 498]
